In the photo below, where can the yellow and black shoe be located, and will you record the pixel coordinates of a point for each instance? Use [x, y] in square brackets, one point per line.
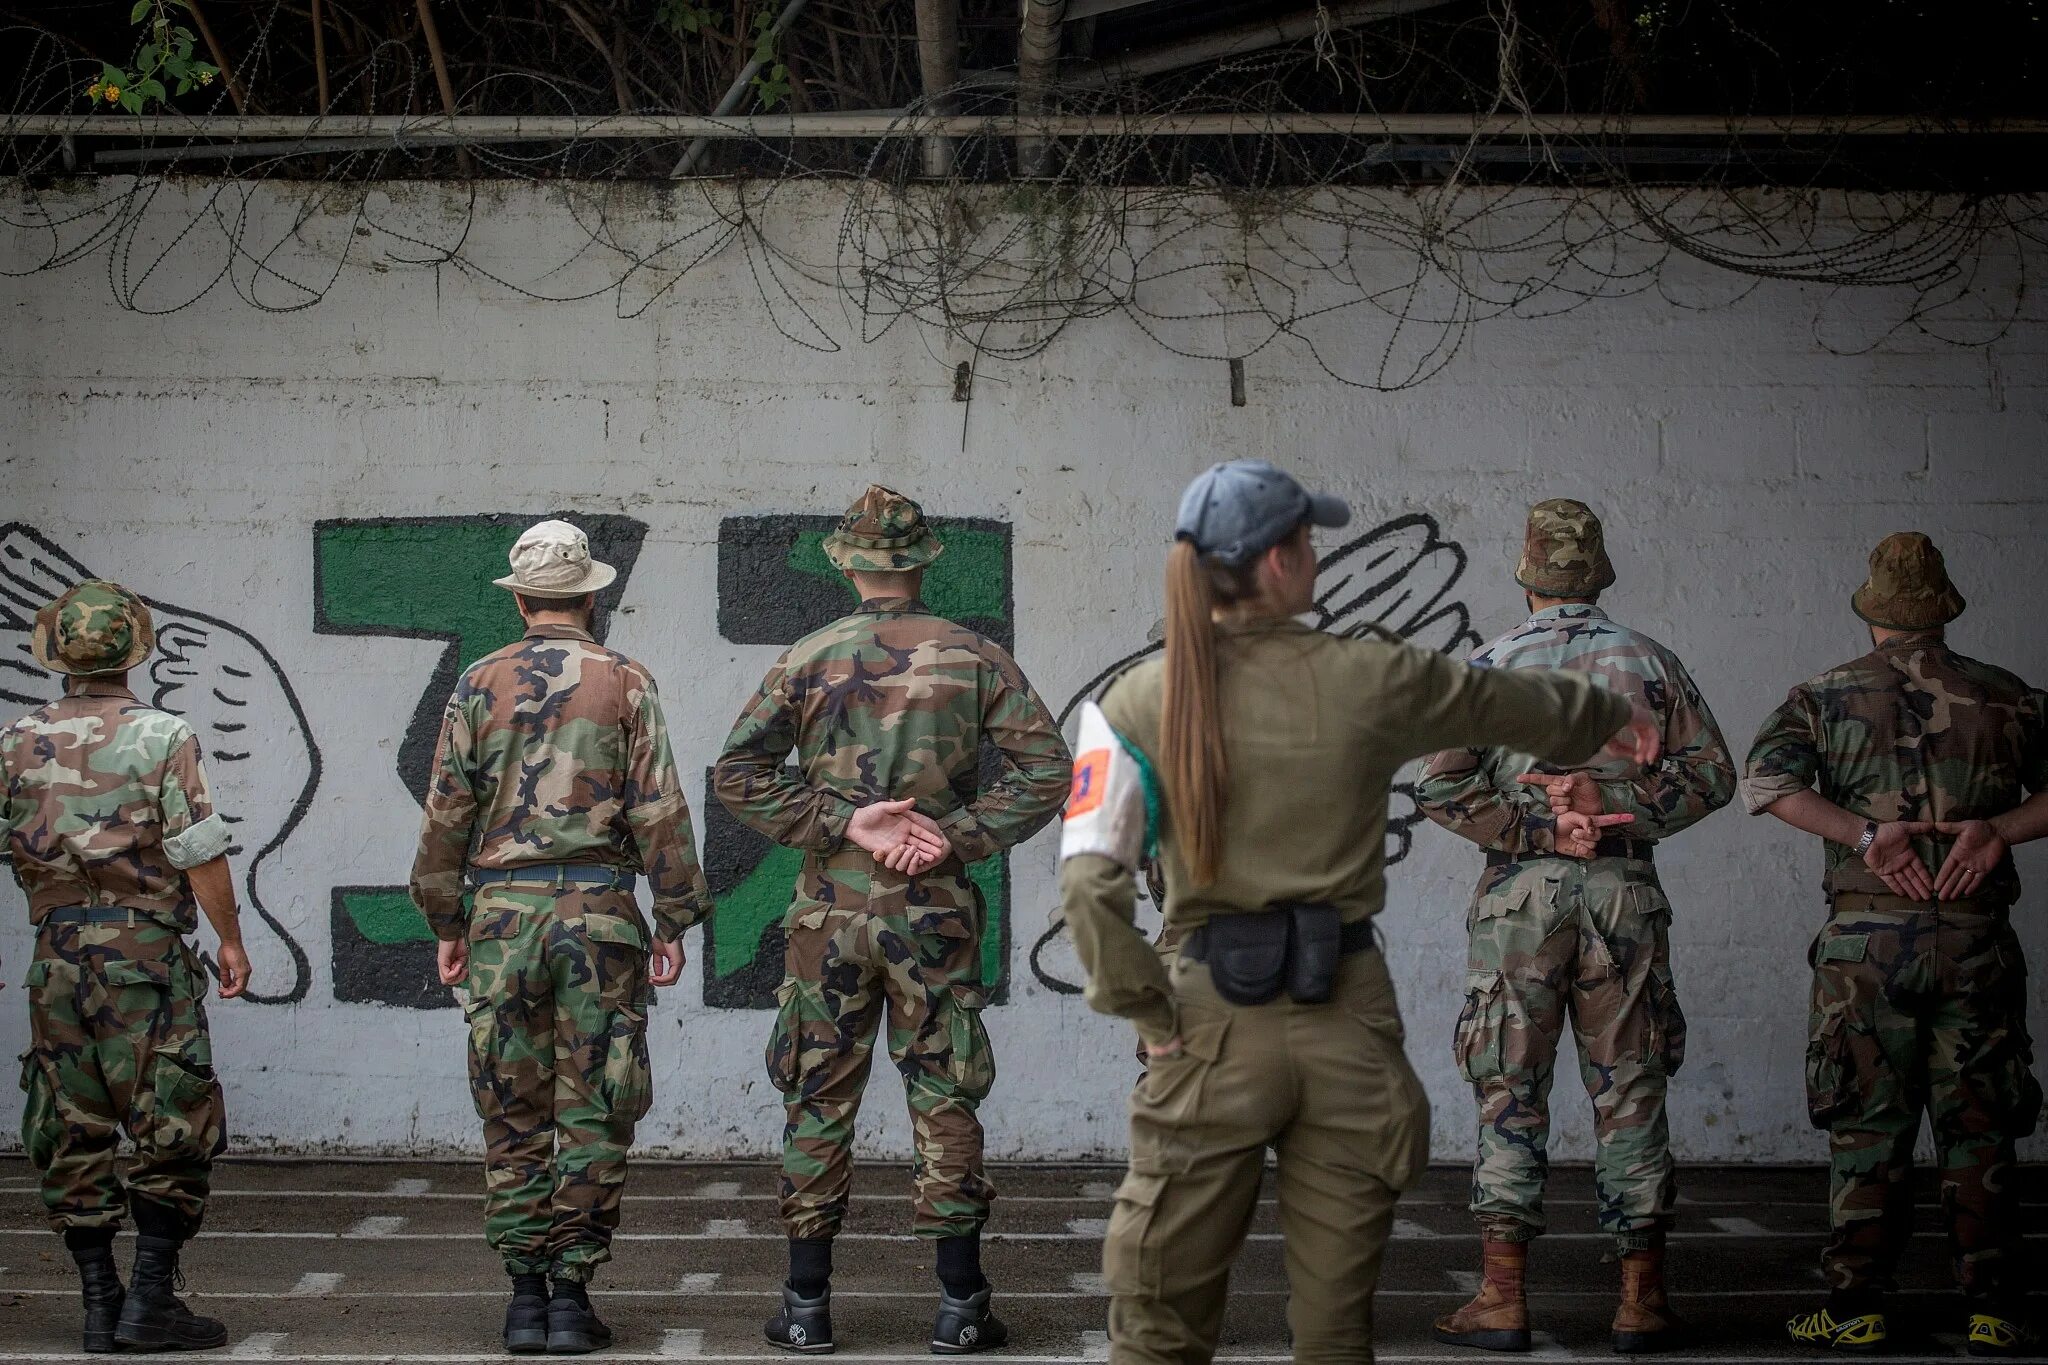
[1854, 1332]
[1994, 1334]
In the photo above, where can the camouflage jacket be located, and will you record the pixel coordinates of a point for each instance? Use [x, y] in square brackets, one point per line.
[1475, 793]
[554, 750]
[888, 703]
[104, 803]
[1910, 731]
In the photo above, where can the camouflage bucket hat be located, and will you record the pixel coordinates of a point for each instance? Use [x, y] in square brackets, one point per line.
[884, 532]
[1564, 552]
[95, 627]
[1908, 587]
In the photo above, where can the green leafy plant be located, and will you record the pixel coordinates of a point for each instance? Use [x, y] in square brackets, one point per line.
[165, 55]
[771, 82]
[681, 16]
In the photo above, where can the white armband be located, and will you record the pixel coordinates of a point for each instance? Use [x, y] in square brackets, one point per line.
[1113, 810]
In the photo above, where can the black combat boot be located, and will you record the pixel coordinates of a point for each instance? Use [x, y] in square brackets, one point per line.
[803, 1324]
[101, 1283]
[152, 1314]
[526, 1316]
[965, 1326]
[573, 1328]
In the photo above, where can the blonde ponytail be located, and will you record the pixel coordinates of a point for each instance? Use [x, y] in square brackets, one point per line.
[1196, 771]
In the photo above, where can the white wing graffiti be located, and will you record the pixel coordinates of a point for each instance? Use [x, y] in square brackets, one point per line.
[259, 750]
[1399, 576]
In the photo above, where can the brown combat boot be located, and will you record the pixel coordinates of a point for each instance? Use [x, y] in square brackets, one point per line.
[1497, 1319]
[1644, 1322]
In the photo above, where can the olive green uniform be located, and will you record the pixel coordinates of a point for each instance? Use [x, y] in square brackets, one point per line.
[1315, 726]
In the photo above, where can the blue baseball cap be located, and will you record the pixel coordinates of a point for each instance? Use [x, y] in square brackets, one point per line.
[1239, 509]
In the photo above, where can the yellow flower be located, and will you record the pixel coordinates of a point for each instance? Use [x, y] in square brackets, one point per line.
[113, 94]
[206, 78]
[92, 92]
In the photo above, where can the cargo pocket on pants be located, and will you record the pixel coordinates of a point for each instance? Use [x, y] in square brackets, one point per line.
[180, 1115]
[1132, 1260]
[1830, 1078]
[482, 1017]
[1478, 1045]
[1667, 1022]
[971, 1063]
[628, 1076]
[786, 1039]
[39, 1127]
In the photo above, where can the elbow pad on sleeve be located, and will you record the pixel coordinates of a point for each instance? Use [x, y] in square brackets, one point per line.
[1113, 809]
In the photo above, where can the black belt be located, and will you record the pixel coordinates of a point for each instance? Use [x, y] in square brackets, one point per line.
[556, 874]
[96, 914]
[1354, 937]
[1613, 846]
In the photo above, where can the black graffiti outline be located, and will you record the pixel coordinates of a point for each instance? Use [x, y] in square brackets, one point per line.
[302, 967]
[1400, 616]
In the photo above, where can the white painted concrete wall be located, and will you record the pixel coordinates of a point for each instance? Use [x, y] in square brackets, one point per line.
[1743, 471]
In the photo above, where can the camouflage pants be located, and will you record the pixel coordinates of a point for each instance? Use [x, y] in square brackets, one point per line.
[1918, 1007]
[845, 971]
[558, 1000]
[117, 1026]
[1552, 939]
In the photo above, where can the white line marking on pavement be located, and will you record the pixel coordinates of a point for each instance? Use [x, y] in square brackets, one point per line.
[896, 1358]
[257, 1346]
[316, 1283]
[1741, 1227]
[1092, 1191]
[381, 1226]
[1078, 1230]
[922, 1296]
[683, 1343]
[410, 1187]
[1095, 1346]
[698, 1282]
[1466, 1281]
[1407, 1229]
[1543, 1346]
[1088, 1282]
[723, 1189]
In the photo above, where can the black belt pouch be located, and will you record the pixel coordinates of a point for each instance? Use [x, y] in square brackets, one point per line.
[1318, 947]
[1248, 955]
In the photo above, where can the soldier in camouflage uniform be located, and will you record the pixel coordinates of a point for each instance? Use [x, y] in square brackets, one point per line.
[887, 712]
[1910, 762]
[112, 834]
[1574, 927]
[553, 784]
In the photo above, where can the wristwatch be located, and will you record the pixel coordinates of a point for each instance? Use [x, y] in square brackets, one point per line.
[1869, 838]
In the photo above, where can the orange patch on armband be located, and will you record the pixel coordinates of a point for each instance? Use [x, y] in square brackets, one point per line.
[1091, 775]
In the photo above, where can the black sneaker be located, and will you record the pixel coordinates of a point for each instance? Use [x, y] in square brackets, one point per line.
[573, 1326]
[803, 1324]
[526, 1316]
[965, 1326]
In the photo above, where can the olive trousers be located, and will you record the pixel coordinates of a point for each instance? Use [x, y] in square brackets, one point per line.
[1329, 1088]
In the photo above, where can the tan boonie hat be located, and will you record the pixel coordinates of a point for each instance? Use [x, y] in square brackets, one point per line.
[1564, 553]
[552, 559]
[96, 627]
[1908, 587]
[883, 532]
